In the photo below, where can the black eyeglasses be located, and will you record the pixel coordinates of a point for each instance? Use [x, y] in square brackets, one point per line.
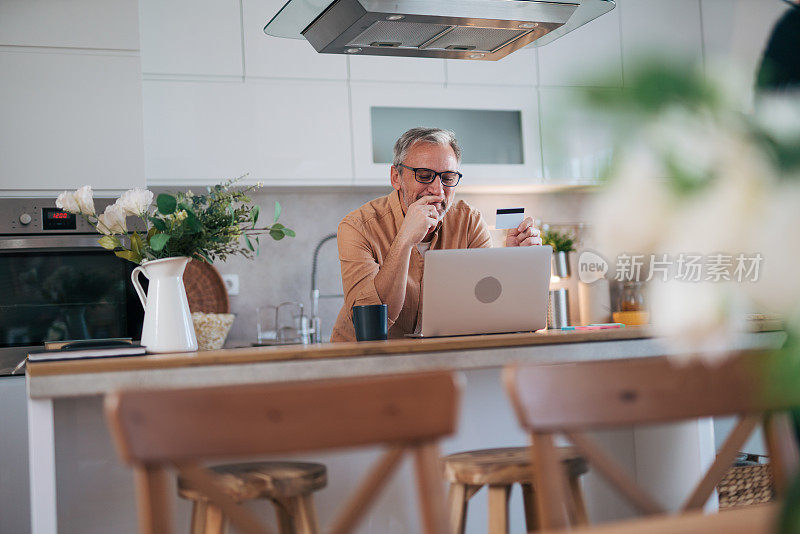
[426, 176]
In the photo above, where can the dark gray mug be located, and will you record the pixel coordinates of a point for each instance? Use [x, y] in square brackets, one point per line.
[371, 322]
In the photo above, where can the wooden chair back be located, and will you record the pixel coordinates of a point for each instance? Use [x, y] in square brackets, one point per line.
[571, 399]
[760, 519]
[159, 429]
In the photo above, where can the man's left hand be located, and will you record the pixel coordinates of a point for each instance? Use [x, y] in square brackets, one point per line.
[523, 235]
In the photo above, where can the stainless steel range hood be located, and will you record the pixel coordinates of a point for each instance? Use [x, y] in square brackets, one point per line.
[453, 29]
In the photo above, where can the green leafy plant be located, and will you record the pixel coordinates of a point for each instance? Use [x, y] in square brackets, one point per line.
[560, 241]
[211, 226]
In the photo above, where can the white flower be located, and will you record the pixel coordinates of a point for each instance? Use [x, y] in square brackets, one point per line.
[83, 197]
[721, 218]
[181, 215]
[640, 213]
[780, 117]
[686, 137]
[696, 319]
[731, 82]
[112, 221]
[66, 201]
[634, 212]
[135, 201]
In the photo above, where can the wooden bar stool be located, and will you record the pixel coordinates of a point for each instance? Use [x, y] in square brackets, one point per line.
[157, 431]
[467, 472]
[289, 485]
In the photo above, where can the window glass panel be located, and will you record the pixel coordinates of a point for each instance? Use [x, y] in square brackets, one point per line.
[486, 137]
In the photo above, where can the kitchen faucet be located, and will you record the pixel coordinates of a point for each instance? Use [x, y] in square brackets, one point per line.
[315, 295]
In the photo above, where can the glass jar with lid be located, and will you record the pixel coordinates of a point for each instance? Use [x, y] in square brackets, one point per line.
[631, 308]
[632, 297]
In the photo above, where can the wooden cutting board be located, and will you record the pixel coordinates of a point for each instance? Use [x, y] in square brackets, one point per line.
[205, 289]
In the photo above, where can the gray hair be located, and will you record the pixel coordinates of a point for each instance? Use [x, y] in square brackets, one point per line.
[435, 136]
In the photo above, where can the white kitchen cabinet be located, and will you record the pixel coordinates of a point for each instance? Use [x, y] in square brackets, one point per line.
[191, 38]
[399, 69]
[736, 32]
[366, 96]
[576, 147]
[200, 132]
[15, 502]
[106, 24]
[669, 30]
[197, 132]
[517, 68]
[303, 132]
[273, 57]
[589, 55]
[70, 119]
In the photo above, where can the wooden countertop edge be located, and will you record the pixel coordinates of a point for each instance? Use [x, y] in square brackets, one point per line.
[328, 350]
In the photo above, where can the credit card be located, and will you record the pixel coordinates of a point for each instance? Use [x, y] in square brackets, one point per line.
[509, 218]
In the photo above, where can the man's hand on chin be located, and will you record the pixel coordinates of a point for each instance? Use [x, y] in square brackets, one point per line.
[524, 235]
[421, 218]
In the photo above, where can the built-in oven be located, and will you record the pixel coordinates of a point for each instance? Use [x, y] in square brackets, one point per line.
[57, 283]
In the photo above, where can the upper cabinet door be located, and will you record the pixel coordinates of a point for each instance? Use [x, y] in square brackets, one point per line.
[192, 38]
[197, 132]
[200, 132]
[302, 132]
[589, 55]
[273, 57]
[670, 29]
[576, 147]
[70, 120]
[501, 124]
[517, 68]
[106, 24]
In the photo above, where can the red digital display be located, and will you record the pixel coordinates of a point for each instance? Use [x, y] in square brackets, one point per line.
[56, 219]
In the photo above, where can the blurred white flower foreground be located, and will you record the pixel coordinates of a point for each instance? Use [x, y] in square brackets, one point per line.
[700, 177]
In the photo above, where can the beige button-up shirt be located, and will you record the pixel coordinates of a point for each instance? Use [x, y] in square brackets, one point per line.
[364, 238]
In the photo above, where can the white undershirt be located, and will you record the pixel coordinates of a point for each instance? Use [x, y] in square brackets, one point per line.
[423, 247]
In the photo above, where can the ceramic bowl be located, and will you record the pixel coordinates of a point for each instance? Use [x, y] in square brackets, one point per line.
[211, 329]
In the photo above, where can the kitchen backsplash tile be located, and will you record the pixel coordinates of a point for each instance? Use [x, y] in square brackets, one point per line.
[282, 270]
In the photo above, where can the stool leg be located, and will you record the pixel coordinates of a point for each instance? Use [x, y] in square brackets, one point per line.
[198, 517]
[457, 504]
[498, 509]
[305, 516]
[529, 502]
[215, 520]
[285, 521]
[581, 517]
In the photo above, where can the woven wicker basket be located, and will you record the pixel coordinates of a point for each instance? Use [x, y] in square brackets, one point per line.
[744, 485]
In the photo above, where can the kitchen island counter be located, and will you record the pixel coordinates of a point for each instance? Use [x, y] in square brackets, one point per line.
[298, 362]
[79, 485]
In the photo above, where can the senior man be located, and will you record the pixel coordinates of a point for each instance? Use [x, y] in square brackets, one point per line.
[382, 244]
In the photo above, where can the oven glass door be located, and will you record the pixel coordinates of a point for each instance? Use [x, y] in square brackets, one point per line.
[52, 295]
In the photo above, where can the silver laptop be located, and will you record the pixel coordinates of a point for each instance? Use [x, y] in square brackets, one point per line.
[484, 291]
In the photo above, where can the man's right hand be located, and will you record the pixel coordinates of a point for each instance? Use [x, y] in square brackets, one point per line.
[421, 217]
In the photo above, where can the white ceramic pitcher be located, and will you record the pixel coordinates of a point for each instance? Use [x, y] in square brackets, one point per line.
[167, 320]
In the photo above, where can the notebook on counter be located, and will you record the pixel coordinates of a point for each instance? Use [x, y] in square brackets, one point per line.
[94, 348]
